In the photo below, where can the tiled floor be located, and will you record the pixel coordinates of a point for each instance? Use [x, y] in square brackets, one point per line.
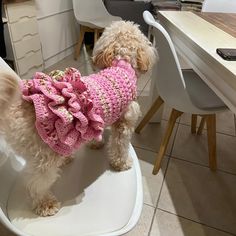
[185, 198]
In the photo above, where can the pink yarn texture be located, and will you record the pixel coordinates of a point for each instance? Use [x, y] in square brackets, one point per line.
[71, 110]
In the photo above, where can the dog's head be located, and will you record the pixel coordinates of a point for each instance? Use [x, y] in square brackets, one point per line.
[124, 40]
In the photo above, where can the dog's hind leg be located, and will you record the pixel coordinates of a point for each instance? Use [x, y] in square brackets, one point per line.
[40, 175]
[121, 133]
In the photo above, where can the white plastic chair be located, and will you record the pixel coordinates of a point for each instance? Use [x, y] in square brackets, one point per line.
[183, 91]
[223, 6]
[92, 16]
[96, 200]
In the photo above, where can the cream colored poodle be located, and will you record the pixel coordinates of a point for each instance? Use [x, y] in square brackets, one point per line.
[47, 118]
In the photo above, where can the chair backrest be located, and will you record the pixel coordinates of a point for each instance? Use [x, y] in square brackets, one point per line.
[225, 6]
[169, 77]
[86, 9]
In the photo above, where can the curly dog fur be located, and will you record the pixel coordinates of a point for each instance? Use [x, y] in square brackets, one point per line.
[122, 40]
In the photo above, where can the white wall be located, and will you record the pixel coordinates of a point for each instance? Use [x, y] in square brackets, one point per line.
[57, 28]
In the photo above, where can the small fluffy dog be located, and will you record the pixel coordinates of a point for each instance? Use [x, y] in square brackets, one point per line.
[47, 118]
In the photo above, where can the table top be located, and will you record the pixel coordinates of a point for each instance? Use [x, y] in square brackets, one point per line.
[226, 22]
[196, 39]
[204, 34]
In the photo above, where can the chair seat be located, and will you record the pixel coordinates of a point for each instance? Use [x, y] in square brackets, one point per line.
[200, 94]
[99, 22]
[95, 199]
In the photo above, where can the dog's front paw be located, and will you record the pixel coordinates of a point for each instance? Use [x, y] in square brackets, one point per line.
[48, 206]
[119, 164]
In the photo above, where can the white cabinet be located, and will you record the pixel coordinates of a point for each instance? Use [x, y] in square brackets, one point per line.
[24, 37]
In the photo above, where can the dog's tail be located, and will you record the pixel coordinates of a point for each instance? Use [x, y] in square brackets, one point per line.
[9, 89]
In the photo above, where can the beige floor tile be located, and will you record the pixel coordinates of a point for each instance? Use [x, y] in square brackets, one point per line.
[190, 147]
[146, 89]
[87, 69]
[224, 122]
[144, 104]
[70, 62]
[5, 232]
[194, 148]
[166, 224]
[166, 112]
[186, 119]
[151, 183]
[196, 193]
[144, 84]
[143, 100]
[144, 223]
[151, 135]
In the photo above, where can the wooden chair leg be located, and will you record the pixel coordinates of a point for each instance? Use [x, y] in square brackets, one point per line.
[155, 106]
[193, 124]
[171, 123]
[201, 127]
[211, 136]
[96, 35]
[80, 42]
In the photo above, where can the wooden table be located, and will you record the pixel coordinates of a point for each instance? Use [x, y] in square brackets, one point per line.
[196, 37]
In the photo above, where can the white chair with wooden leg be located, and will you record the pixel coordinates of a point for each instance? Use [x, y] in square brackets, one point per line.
[182, 90]
[219, 6]
[92, 16]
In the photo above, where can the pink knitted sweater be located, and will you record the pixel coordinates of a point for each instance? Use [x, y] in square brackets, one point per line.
[71, 109]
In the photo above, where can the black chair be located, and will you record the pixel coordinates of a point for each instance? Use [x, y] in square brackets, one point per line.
[130, 10]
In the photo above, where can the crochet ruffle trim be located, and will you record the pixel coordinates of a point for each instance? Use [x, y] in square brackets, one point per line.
[65, 116]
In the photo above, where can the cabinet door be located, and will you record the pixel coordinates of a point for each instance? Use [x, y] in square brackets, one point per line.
[26, 46]
[24, 36]
[18, 11]
[21, 29]
[29, 62]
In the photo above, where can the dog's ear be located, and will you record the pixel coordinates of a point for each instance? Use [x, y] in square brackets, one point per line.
[104, 58]
[143, 62]
[98, 59]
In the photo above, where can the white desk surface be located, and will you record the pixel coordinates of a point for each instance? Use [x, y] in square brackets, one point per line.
[197, 40]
